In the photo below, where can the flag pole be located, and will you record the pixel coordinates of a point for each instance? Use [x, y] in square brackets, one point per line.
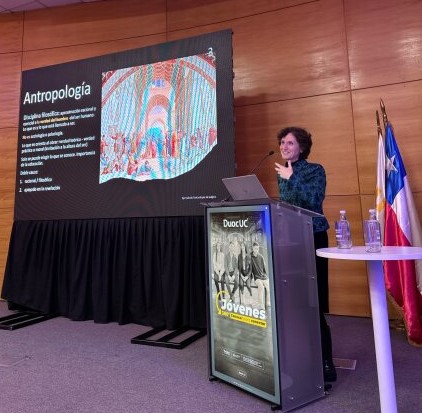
[384, 112]
[378, 123]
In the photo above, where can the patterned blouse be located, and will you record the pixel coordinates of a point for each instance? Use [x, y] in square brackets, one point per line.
[306, 189]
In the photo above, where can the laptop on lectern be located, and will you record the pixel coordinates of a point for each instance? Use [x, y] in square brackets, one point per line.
[245, 187]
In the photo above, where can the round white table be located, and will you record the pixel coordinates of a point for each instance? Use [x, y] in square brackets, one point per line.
[386, 385]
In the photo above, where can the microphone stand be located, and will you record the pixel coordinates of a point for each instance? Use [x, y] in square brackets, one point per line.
[260, 162]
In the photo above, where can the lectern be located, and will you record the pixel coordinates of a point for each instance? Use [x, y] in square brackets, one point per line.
[263, 315]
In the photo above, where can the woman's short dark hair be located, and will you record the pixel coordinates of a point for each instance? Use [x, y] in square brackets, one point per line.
[303, 137]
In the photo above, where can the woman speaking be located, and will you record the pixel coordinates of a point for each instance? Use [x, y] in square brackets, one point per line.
[302, 184]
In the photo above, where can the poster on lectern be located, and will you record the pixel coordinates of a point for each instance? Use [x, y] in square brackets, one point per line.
[242, 332]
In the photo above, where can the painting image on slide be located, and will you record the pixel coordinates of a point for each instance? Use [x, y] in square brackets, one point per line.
[159, 120]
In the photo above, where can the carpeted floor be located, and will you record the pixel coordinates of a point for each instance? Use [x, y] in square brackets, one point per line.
[66, 366]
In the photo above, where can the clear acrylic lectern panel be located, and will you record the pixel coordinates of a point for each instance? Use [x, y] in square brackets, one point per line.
[296, 292]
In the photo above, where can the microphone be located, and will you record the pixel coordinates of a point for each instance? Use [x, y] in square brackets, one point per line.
[260, 162]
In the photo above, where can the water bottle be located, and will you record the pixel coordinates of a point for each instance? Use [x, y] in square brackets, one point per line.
[372, 233]
[343, 234]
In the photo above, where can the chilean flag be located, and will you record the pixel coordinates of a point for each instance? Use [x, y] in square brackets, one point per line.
[402, 228]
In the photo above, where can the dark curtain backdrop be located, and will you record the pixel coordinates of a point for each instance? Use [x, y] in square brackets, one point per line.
[149, 271]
